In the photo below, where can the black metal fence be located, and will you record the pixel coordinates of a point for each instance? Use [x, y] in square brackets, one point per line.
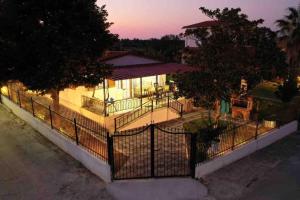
[145, 152]
[228, 139]
[81, 130]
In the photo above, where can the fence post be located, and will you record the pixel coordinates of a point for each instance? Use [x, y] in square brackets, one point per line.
[50, 113]
[193, 154]
[76, 134]
[168, 101]
[256, 129]
[0, 95]
[32, 107]
[19, 98]
[233, 137]
[152, 126]
[110, 153]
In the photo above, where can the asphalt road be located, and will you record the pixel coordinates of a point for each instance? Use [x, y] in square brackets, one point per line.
[32, 168]
[270, 174]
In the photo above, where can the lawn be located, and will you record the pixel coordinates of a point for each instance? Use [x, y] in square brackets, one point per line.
[198, 124]
[269, 105]
[266, 90]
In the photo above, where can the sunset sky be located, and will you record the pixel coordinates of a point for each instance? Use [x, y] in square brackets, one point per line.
[155, 18]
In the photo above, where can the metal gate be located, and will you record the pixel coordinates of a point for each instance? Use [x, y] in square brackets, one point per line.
[150, 152]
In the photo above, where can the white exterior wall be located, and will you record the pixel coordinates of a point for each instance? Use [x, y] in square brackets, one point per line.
[263, 141]
[190, 41]
[91, 162]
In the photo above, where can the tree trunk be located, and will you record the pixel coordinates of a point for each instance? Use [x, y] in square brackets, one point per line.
[56, 121]
[94, 91]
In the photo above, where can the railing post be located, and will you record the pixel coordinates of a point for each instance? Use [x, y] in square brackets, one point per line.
[193, 154]
[76, 133]
[152, 126]
[115, 124]
[110, 153]
[50, 114]
[105, 107]
[19, 98]
[32, 106]
[168, 101]
[233, 137]
[152, 105]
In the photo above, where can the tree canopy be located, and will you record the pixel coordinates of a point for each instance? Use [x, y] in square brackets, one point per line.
[53, 44]
[168, 48]
[289, 35]
[237, 48]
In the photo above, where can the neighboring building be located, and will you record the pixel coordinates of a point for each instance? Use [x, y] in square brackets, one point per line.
[239, 106]
[137, 85]
[191, 41]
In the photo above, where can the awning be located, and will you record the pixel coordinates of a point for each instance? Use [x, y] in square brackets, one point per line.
[137, 71]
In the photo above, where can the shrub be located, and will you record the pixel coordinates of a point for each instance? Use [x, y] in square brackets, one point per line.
[288, 90]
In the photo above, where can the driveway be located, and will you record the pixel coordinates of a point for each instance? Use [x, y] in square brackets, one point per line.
[270, 174]
[31, 167]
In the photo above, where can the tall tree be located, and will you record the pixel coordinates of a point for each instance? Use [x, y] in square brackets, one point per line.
[234, 49]
[289, 36]
[167, 49]
[55, 43]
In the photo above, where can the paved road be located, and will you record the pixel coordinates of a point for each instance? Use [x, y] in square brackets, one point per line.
[32, 168]
[270, 174]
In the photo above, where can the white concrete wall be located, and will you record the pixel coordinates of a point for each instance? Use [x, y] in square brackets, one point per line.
[263, 141]
[91, 162]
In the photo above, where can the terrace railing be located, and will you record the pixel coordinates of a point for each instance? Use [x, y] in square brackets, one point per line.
[93, 104]
[147, 107]
[127, 118]
[123, 105]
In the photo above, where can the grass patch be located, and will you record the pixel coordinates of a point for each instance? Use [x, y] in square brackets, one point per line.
[266, 90]
[200, 124]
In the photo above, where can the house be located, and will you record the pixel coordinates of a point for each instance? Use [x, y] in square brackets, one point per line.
[139, 92]
[191, 41]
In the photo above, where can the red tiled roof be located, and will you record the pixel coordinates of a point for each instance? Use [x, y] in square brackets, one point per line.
[108, 55]
[204, 24]
[137, 71]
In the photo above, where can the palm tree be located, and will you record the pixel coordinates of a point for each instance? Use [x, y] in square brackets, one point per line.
[289, 36]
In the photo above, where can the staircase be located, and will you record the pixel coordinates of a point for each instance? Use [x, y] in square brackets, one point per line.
[148, 107]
